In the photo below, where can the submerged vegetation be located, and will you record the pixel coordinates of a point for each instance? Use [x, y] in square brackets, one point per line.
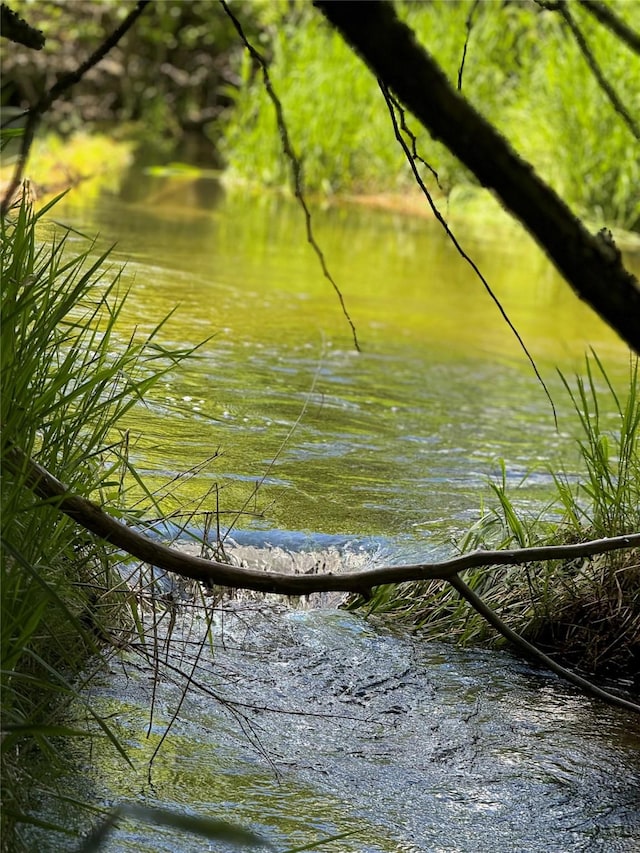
[587, 612]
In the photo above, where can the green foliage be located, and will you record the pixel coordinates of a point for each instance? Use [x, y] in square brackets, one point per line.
[523, 71]
[608, 502]
[588, 610]
[67, 380]
[164, 80]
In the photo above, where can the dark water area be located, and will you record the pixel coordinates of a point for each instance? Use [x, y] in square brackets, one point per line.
[302, 720]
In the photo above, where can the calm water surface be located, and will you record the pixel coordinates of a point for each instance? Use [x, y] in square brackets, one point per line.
[313, 722]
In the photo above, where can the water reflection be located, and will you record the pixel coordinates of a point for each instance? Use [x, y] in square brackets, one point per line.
[398, 438]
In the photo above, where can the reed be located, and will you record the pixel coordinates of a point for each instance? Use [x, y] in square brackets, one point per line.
[587, 612]
[67, 381]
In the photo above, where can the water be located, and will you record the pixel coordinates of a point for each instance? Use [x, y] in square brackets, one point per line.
[308, 722]
[397, 440]
[327, 723]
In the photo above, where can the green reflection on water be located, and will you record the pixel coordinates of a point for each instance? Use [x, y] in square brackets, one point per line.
[399, 438]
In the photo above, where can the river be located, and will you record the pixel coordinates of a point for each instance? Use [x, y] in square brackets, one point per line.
[308, 721]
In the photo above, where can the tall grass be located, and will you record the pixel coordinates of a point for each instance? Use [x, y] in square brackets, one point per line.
[67, 380]
[586, 611]
[523, 71]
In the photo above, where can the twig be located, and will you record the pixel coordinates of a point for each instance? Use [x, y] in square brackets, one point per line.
[35, 113]
[524, 645]
[469, 27]
[296, 168]
[392, 105]
[597, 72]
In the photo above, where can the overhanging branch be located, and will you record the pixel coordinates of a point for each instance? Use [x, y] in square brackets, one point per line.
[93, 518]
[591, 264]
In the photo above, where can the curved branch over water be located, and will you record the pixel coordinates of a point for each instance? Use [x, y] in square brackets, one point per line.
[93, 518]
[96, 520]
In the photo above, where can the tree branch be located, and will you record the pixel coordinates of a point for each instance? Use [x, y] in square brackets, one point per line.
[16, 29]
[294, 162]
[94, 519]
[602, 13]
[532, 651]
[591, 264]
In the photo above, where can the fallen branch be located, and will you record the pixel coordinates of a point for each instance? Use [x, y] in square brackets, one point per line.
[93, 518]
[532, 651]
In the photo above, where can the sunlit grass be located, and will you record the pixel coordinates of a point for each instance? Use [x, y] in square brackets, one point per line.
[522, 71]
[94, 162]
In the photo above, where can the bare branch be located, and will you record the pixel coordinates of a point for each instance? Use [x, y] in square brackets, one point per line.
[469, 27]
[65, 82]
[411, 158]
[607, 17]
[93, 518]
[524, 645]
[16, 29]
[294, 162]
[597, 72]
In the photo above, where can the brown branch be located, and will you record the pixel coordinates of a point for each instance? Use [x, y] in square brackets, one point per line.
[532, 651]
[93, 518]
[36, 112]
[602, 13]
[589, 263]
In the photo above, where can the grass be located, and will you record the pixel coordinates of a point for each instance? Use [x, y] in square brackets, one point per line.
[522, 71]
[586, 612]
[67, 381]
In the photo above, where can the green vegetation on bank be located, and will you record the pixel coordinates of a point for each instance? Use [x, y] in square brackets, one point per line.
[523, 71]
[182, 85]
[67, 381]
[586, 612]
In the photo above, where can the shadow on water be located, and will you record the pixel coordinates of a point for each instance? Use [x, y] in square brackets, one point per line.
[303, 722]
